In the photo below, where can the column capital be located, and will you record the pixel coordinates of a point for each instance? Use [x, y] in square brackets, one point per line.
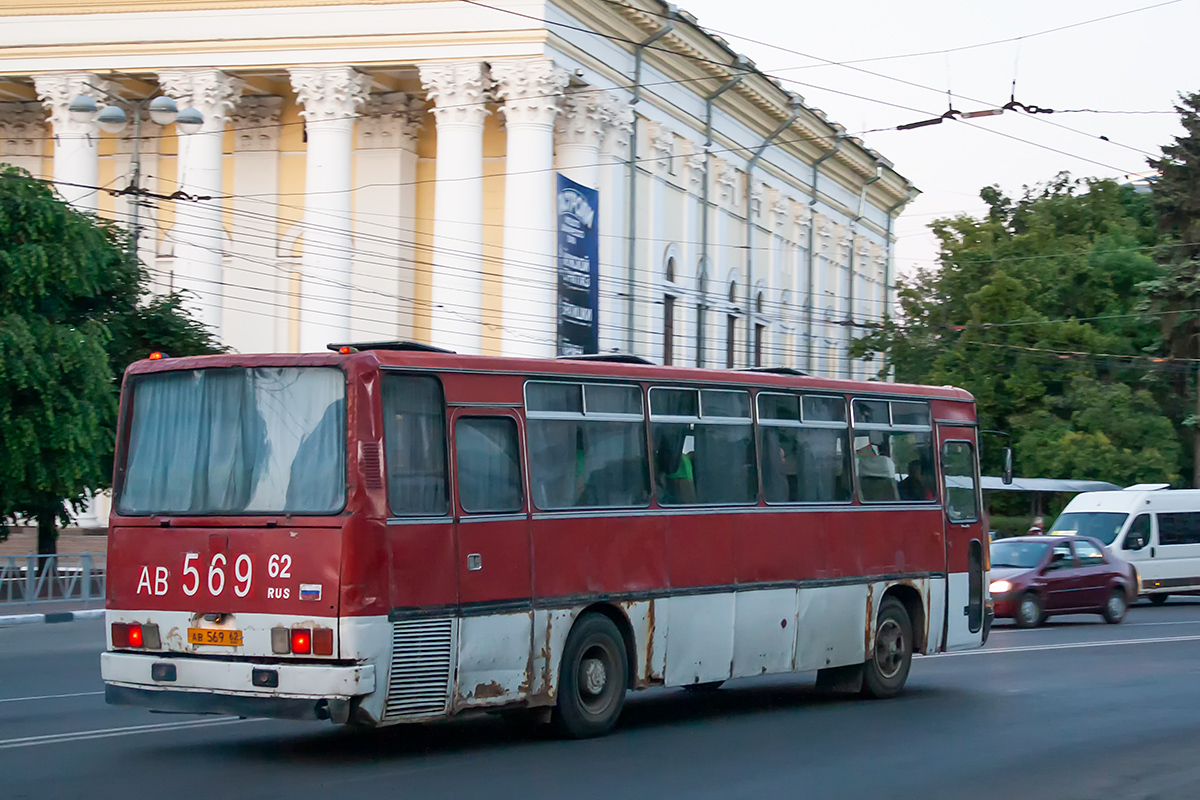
[256, 123]
[619, 116]
[662, 144]
[56, 91]
[530, 88]
[210, 91]
[329, 93]
[458, 90]
[22, 128]
[390, 120]
[584, 119]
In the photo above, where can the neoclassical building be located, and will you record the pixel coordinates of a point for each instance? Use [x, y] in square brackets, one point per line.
[387, 169]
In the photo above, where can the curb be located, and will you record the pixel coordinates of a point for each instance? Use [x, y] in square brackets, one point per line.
[59, 616]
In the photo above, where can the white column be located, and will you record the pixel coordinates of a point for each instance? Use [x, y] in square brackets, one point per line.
[384, 201]
[331, 97]
[530, 91]
[457, 92]
[199, 231]
[75, 143]
[257, 304]
[613, 183]
[578, 134]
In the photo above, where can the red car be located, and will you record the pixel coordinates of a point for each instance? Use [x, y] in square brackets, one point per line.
[1034, 577]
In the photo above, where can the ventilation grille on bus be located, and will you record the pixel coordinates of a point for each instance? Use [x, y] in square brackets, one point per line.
[419, 680]
[372, 465]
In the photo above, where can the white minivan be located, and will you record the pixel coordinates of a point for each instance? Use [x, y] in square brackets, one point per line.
[1155, 529]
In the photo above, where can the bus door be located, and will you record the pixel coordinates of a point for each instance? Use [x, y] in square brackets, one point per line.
[966, 558]
[494, 577]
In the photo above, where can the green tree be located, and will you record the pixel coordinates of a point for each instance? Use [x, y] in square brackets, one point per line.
[74, 312]
[1021, 301]
[1175, 294]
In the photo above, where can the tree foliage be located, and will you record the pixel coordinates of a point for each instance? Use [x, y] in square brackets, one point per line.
[74, 312]
[1027, 309]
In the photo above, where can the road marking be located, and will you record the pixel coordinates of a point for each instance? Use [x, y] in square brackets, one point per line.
[1071, 645]
[47, 697]
[1060, 627]
[108, 733]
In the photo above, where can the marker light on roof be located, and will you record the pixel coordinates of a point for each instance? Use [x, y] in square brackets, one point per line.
[156, 356]
[347, 350]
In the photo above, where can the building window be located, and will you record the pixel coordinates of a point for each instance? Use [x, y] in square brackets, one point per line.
[668, 330]
[758, 343]
[702, 285]
[730, 339]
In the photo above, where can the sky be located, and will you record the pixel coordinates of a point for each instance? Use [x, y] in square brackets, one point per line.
[1135, 62]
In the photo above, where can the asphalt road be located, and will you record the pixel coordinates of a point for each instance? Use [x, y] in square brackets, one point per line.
[1077, 709]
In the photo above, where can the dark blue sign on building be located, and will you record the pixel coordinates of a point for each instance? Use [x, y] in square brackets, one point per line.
[577, 210]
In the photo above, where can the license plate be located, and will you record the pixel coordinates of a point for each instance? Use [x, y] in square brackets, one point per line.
[218, 636]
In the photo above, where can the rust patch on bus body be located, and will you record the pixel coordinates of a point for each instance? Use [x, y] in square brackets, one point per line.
[487, 691]
[869, 625]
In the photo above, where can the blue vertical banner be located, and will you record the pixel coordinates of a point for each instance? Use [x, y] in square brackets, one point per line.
[577, 213]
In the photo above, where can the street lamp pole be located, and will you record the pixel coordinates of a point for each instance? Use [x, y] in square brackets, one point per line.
[113, 119]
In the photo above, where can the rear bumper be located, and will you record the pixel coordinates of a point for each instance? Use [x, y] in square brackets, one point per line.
[209, 686]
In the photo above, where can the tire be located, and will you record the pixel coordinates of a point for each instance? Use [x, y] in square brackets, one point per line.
[1116, 607]
[1029, 611]
[1158, 598]
[885, 672]
[592, 678]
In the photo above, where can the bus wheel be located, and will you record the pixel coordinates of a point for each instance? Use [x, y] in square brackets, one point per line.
[886, 670]
[1158, 599]
[592, 678]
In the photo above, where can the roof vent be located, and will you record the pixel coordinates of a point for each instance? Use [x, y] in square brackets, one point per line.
[1148, 487]
[775, 371]
[612, 358]
[412, 347]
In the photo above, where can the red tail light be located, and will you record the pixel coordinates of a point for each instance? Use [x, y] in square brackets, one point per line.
[301, 641]
[129, 634]
[322, 639]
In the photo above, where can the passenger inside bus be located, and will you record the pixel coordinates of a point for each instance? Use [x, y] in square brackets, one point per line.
[917, 486]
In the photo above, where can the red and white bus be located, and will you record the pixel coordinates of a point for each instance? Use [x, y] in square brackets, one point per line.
[391, 533]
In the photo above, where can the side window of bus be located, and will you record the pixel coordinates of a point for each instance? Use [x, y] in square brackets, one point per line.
[703, 442]
[958, 464]
[804, 448]
[414, 432]
[488, 465]
[1179, 528]
[1138, 535]
[587, 445]
[893, 451]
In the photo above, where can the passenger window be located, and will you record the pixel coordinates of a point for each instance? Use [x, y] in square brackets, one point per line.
[1179, 528]
[893, 452]
[1089, 555]
[703, 447]
[958, 464]
[414, 432]
[1138, 535]
[488, 459]
[590, 453]
[803, 460]
[1061, 557]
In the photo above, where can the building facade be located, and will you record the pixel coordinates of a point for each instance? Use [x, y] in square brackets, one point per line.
[387, 170]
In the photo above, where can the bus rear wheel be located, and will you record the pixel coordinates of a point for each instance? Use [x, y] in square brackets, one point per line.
[592, 678]
[886, 668]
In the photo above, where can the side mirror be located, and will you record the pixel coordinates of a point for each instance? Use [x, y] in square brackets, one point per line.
[1007, 478]
[1134, 542]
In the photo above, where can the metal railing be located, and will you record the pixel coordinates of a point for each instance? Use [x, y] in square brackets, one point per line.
[52, 579]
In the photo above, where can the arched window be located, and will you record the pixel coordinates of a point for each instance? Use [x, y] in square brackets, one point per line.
[671, 270]
[668, 319]
[701, 305]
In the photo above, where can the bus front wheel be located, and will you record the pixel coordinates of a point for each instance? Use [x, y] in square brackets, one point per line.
[887, 665]
[592, 678]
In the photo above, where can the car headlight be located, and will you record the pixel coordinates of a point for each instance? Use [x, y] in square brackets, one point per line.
[999, 587]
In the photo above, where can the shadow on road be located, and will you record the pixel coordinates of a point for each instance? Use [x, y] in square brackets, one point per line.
[663, 708]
